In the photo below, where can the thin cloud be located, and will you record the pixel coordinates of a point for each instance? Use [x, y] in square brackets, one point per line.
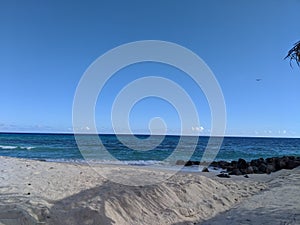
[198, 128]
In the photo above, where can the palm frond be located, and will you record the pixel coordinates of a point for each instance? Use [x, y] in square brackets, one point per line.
[294, 54]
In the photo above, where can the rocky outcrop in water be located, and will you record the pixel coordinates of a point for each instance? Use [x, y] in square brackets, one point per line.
[257, 166]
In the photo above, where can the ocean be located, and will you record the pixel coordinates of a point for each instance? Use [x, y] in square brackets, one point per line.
[63, 148]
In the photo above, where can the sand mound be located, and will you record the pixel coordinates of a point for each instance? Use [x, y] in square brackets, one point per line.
[57, 193]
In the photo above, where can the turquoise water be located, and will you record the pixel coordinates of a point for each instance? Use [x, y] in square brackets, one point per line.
[63, 147]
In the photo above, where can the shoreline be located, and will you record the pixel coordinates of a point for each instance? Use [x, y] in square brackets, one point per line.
[235, 167]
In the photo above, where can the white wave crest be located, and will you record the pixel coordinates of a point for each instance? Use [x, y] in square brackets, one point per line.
[15, 147]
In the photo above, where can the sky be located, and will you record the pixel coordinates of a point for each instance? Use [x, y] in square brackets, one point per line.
[46, 47]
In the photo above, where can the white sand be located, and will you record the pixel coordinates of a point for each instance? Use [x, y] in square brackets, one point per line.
[62, 193]
[279, 204]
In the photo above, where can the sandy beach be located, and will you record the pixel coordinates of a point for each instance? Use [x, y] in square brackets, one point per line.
[150, 112]
[36, 192]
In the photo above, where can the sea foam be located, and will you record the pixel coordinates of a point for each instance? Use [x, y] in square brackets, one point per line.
[15, 147]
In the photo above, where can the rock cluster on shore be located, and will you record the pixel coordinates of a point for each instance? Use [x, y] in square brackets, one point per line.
[259, 166]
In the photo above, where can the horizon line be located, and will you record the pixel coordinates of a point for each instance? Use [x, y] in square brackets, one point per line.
[142, 134]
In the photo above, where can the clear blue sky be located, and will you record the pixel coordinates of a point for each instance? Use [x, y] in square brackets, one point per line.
[45, 47]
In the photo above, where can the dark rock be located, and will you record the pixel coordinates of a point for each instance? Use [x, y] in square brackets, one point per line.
[242, 167]
[223, 175]
[291, 164]
[205, 169]
[233, 164]
[223, 164]
[197, 163]
[257, 162]
[291, 157]
[235, 172]
[276, 164]
[270, 160]
[215, 164]
[270, 169]
[262, 168]
[242, 164]
[189, 163]
[283, 162]
[246, 176]
[255, 169]
[230, 168]
[249, 170]
[254, 162]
